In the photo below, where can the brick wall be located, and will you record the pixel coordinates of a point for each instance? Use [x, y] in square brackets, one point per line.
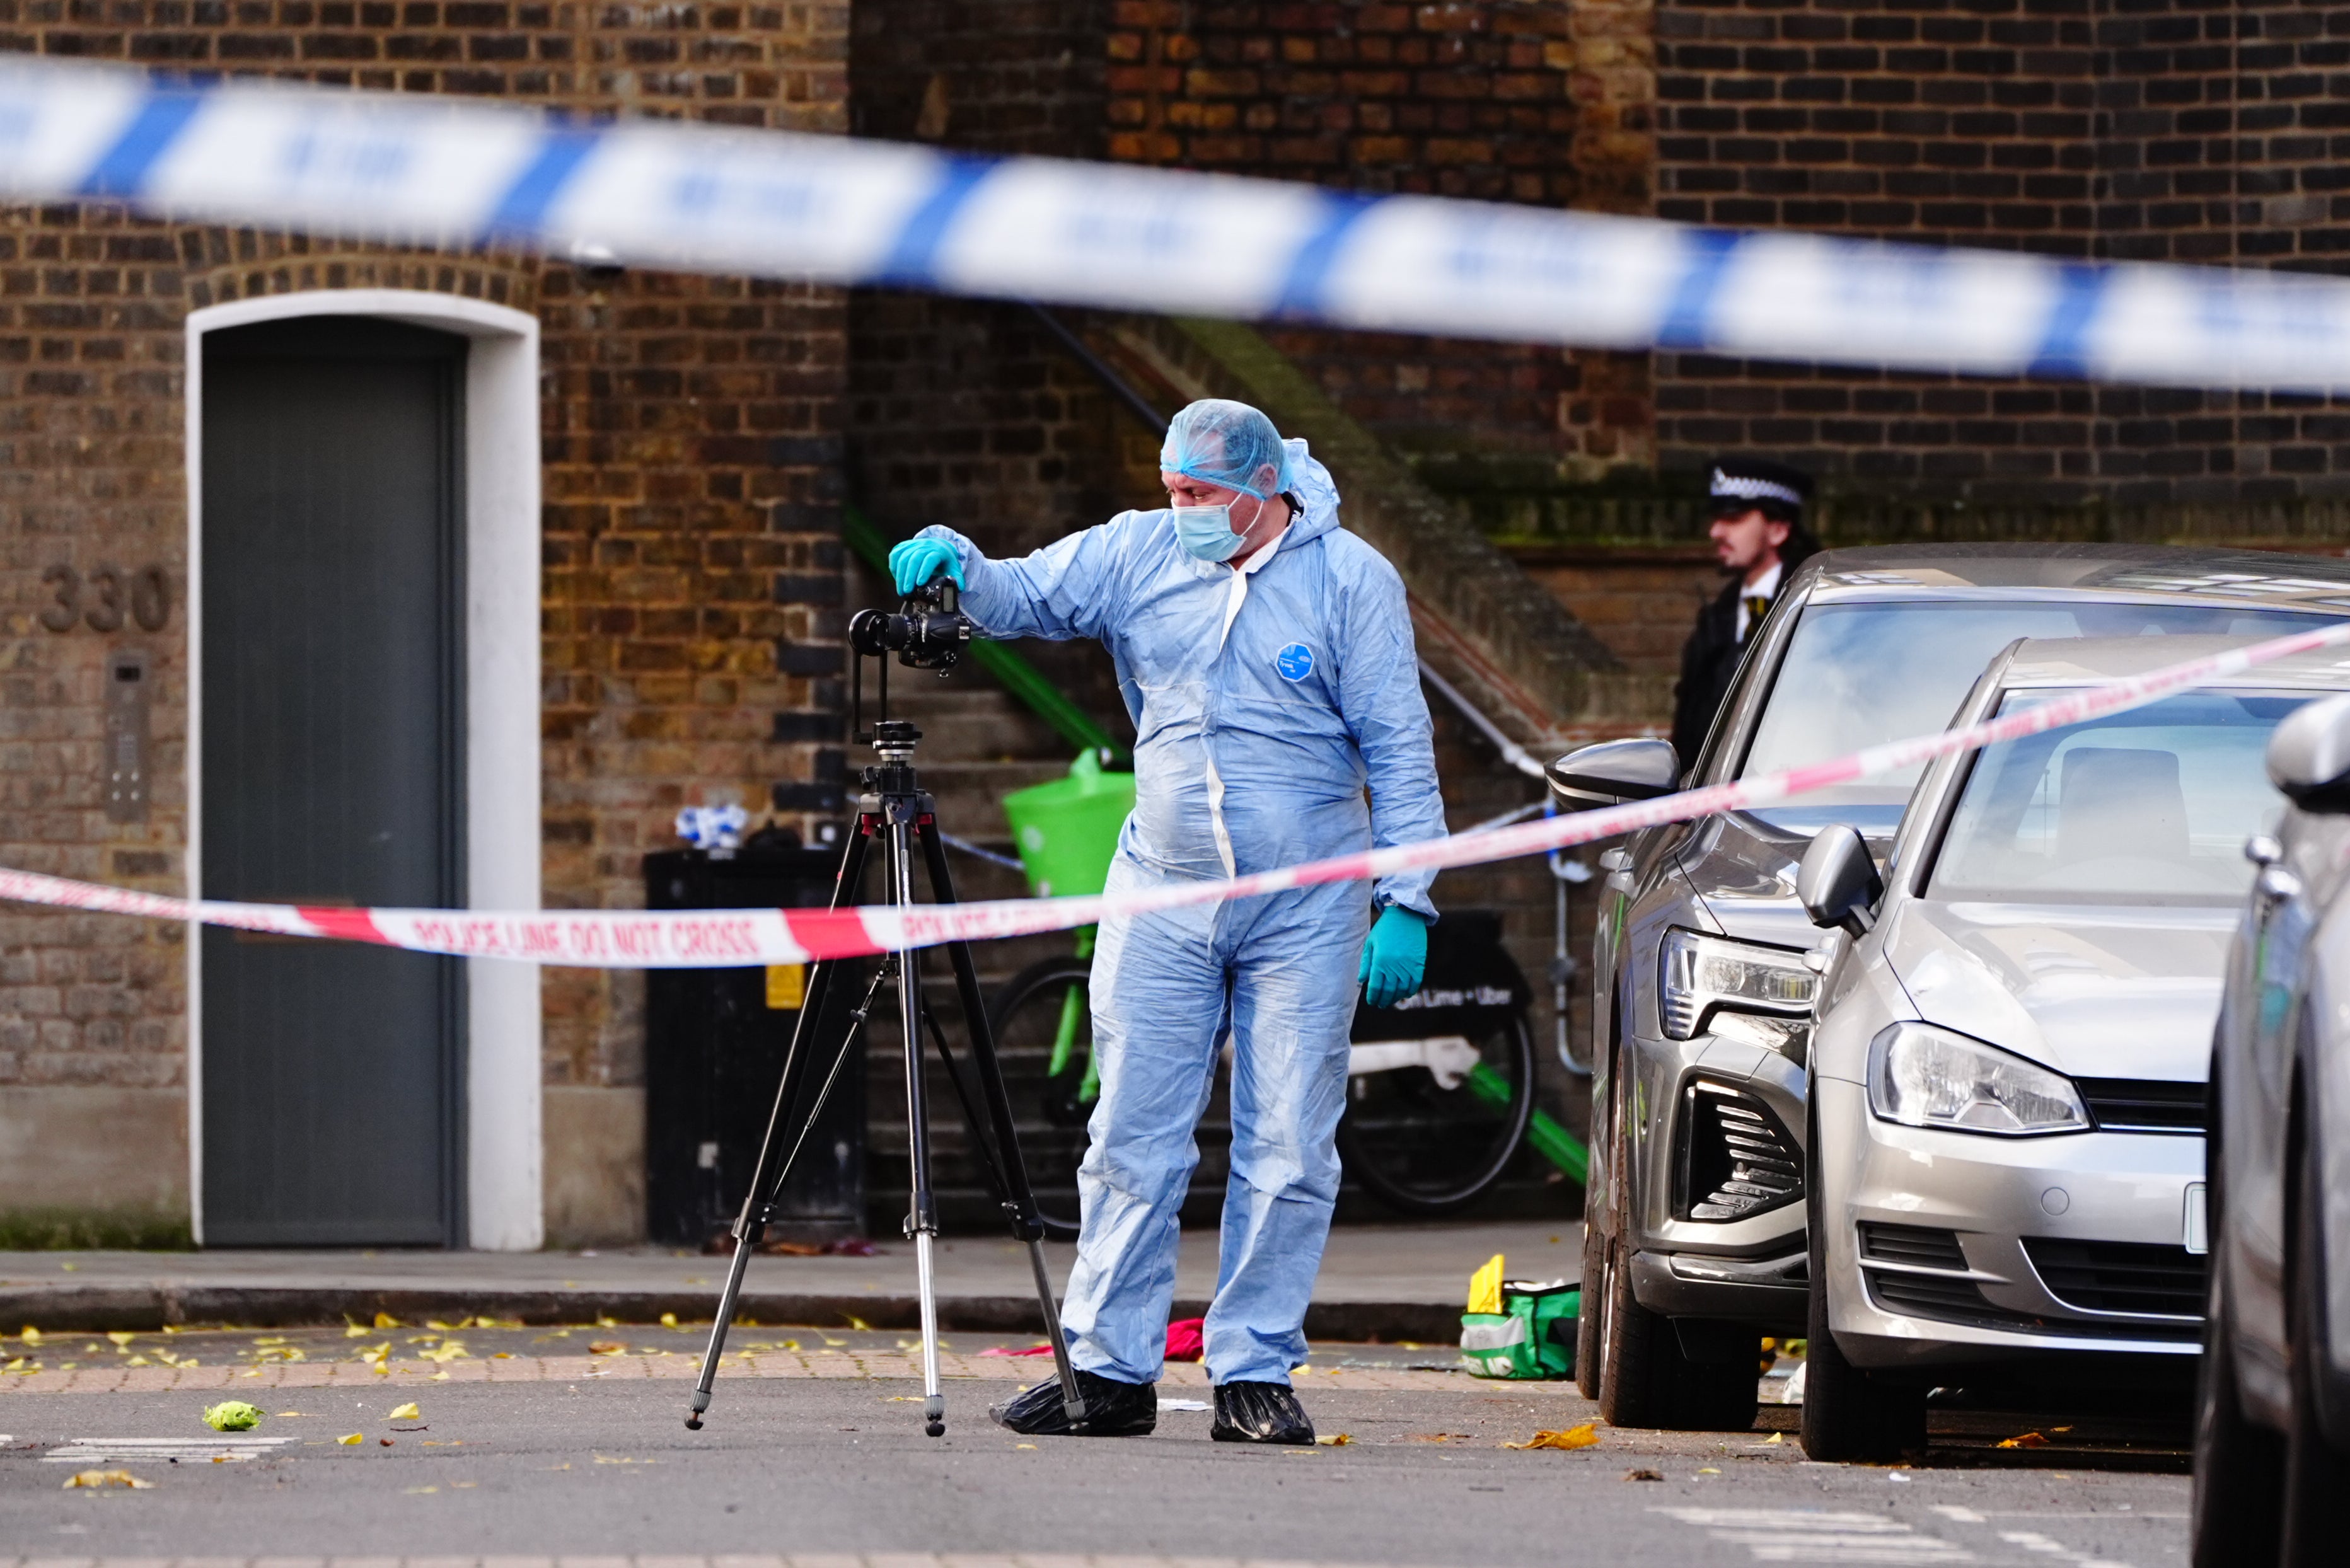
[1546, 103]
[2186, 131]
[692, 480]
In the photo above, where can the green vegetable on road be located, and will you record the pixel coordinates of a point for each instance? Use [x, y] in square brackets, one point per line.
[232, 1415]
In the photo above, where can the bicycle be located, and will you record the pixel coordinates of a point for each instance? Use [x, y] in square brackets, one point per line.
[1440, 1087]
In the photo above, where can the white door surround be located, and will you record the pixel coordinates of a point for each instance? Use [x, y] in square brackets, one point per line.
[503, 1074]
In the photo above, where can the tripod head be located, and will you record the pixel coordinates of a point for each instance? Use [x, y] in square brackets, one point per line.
[927, 631]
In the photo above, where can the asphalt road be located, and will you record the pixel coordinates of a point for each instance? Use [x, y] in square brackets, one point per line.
[571, 1463]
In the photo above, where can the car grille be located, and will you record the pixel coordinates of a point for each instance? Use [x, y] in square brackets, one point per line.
[2120, 1276]
[1913, 1244]
[1930, 1296]
[1736, 1160]
[2143, 1104]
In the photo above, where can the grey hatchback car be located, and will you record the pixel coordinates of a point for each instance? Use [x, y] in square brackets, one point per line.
[1694, 1236]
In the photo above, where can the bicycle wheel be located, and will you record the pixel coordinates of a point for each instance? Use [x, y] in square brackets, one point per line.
[1429, 1151]
[1030, 1016]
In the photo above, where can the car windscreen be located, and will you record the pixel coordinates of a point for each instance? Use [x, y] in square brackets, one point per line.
[1859, 675]
[2154, 804]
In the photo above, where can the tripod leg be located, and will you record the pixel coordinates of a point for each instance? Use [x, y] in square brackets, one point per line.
[767, 1177]
[1021, 1198]
[922, 1218]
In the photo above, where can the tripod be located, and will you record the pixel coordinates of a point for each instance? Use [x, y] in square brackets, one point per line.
[895, 810]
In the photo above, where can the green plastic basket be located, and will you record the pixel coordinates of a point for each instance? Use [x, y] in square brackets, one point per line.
[1067, 830]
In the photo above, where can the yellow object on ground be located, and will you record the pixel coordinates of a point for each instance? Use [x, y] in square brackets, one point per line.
[233, 1415]
[1584, 1437]
[1485, 1286]
[408, 1412]
[354, 1440]
[107, 1478]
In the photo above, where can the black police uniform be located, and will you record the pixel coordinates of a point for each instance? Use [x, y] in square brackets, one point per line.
[1709, 658]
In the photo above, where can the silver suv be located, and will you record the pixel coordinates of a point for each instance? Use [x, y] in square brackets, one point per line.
[1694, 1242]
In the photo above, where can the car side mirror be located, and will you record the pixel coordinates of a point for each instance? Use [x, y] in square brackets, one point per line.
[1837, 883]
[1612, 773]
[2309, 756]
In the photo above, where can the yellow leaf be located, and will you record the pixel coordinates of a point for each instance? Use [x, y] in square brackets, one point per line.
[1024, 1445]
[1336, 1440]
[408, 1412]
[1584, 1437]
[385, 1319]
[108, 1478]
[421, 1490]
[501, 1355]
[287, 1414]
[1773, 1438]
[602, 1322]
[858, 1324]
[607, 1347]
[138, 1361]
[32, 1336]
[354, 1440]
[121, 1336]
[669, 1319]
[1485, 1286]
[2024, 1440]
[435, 1322]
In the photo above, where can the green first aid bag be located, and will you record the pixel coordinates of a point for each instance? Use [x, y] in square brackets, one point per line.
[1532, 1336]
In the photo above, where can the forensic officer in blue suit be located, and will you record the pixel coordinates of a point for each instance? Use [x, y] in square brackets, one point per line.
[1267, 657]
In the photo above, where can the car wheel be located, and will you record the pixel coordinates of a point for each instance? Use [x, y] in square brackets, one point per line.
[1849, 1415]
[2239, 1464]
[1595, 1267]
[2316, 1473]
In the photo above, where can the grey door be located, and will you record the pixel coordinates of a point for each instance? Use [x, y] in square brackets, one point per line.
[332, 721]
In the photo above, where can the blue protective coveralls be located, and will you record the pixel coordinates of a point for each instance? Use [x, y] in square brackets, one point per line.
[1252, 748]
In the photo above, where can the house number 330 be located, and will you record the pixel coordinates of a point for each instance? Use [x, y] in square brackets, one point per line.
[105, 598]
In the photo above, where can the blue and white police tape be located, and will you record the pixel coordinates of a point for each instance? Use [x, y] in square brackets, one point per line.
[413, 170]
[718, 938]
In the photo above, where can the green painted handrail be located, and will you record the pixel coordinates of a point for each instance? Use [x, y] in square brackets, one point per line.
[1011, 671]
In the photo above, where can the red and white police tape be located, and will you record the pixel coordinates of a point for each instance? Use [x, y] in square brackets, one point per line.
[719, 939]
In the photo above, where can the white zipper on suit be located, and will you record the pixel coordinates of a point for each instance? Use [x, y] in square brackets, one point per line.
[1233, 601]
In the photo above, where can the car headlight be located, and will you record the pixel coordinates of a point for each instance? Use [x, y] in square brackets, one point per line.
[1922, 1077]
[1704, 974]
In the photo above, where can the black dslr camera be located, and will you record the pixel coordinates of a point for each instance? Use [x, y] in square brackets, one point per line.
[929, 631]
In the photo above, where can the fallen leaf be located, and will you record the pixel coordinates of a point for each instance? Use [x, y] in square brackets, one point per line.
[385, 1319]
[501, 1355]
[1708, 1470]
[421, 1490]
[30, 1334]
[1773, 1438]
[669, 1319]
[354, 1440]
[2024, 1440]
[387, 1442]
[121, 1336]
[1335, 1440]
[1584, 1437]
[1643, 1475]
[608, 1348]
[287, 1414]
[108, 1478]
[858, 1324]
[408, 1412]
[1024, 1445]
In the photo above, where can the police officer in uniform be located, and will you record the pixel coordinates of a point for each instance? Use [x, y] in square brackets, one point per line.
[1759, 539]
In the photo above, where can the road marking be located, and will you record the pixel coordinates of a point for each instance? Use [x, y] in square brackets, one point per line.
[2032, 1541]
[1957, 1515]
[1802, 1535]
[163, 1450]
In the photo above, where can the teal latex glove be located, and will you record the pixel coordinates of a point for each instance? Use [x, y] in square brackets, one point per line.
[1395, 959]
[914, 563]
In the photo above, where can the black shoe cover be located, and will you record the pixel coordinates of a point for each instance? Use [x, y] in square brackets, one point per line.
[1113, 1409]
[1260, 1413]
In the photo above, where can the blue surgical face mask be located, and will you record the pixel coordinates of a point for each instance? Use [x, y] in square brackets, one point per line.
[1207, 531]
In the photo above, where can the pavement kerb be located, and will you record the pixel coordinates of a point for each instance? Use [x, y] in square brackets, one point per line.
[675, 1366]
[94, 1308]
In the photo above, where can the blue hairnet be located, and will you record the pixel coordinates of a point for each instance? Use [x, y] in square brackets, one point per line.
[1218, 442]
